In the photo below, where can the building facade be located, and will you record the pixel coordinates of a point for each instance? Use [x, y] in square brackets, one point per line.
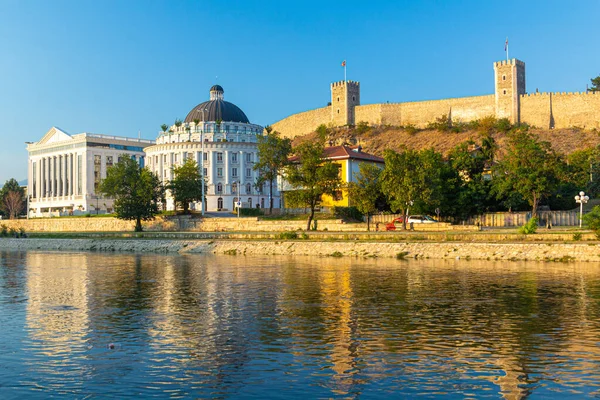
[510, 100]
[219, 137]
[65, 171]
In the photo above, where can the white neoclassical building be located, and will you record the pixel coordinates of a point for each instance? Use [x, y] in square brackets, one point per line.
[220, 138]
[64, 171]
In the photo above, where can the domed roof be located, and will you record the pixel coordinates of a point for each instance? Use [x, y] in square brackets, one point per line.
[217, 109]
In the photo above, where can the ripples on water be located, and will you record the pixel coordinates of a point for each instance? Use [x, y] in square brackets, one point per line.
[95, 325]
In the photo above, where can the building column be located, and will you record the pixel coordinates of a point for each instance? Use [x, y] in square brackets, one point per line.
[64, 174]
[44, 177]
[38, 187]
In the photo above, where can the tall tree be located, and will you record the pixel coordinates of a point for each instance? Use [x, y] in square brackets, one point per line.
[273, 153]
[12, 198]
[311, 177]
[402, 180]
[365, 190]
[530, 168]
[414, 179]
[137, 191]
[186, 186]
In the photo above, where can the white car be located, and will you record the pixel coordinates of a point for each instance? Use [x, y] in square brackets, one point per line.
[421, 219]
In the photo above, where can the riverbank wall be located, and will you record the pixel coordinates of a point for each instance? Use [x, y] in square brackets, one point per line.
[187, 224]
[434, 250]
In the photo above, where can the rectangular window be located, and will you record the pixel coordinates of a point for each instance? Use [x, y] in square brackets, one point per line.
[205, 172]
[249, 157]
[165, 158]
[190, 155]
[234, 172]
[109, 162]
[248, 172]
[234, 157]
[175, 158]
[220, 172]
[205, 156]
[219, 157]
[97, 177]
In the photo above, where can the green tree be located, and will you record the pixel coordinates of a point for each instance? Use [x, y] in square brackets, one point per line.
[186, 186]
[137, 191]
[595, 84]
[12, 198]
[365, 190]
[530, 168]
[273, 153]
[311, 177]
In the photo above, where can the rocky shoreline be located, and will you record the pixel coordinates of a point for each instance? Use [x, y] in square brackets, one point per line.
[434, 250]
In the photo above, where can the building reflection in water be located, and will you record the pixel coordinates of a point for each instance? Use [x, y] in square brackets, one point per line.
[225, 325]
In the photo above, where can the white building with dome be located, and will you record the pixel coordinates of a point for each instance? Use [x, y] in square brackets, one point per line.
[220, 138]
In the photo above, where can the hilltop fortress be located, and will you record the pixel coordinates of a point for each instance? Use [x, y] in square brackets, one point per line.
[510, 100]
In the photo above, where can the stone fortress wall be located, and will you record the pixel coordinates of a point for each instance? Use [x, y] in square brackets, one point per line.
[510, 100]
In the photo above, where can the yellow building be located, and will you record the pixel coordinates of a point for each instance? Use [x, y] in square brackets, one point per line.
[349, 158]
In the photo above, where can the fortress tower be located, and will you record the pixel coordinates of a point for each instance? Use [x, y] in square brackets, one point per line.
[345, 95]
[509, 79]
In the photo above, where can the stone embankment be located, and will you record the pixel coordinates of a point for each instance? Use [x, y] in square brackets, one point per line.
[433, 250]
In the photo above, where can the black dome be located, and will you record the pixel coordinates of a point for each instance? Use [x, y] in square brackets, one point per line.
[217, 110]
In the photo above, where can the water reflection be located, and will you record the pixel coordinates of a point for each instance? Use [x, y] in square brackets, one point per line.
[207, 326]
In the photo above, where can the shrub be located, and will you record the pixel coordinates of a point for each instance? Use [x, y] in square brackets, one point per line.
[577, 236]
[362, 127]
[441, 124]
[251, 212]
[503, 125]
[3, 230]
[347, 213]
[287, 235]
[336, 254]
[529, 227]
[303, 236]
[592, 220]
[410, 129]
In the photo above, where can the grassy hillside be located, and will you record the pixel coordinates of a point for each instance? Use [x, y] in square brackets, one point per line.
[376, 139]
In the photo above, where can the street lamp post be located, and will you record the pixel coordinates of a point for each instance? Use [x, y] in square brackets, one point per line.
[581, 198]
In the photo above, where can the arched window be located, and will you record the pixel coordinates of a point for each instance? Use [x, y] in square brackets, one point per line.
[248, 188]
[220, 203]
[234, 188]
[219, 188]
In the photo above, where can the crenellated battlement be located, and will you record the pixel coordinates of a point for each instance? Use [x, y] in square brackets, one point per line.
[547, 94]
[343, 83]
[512, 61]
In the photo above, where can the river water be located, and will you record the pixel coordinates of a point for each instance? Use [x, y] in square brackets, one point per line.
[89, 325]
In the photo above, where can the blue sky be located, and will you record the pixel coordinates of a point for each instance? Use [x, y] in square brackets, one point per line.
[119, 67]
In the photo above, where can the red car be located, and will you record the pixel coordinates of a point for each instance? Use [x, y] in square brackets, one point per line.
[395, 224]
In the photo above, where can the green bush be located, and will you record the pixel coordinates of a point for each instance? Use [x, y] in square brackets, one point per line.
[441, 124]
[577, 236]
[348, 213]
[251, 212]
[410, 129]
[503, 125]
[362, 127]
[592, 220]
[287, 236]
[3, 230]
[529, 227]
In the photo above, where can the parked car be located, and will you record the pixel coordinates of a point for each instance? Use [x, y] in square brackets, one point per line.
[420, 219]
[395, 224]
